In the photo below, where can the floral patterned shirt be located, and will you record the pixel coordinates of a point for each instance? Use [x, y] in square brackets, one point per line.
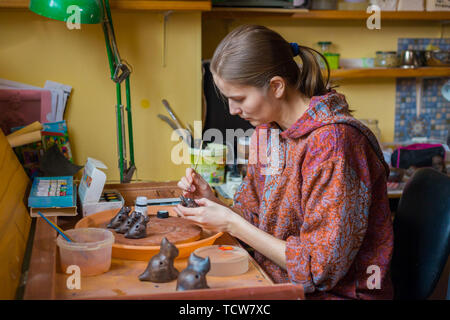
[321, 187]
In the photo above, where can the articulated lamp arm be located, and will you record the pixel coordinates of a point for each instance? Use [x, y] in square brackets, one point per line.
[119, 73]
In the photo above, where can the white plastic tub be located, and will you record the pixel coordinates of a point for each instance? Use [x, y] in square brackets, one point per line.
[91, 251]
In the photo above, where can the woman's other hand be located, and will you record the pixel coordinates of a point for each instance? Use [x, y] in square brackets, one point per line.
[209, 215]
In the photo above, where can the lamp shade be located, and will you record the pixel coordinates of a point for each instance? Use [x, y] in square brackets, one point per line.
[90, 10]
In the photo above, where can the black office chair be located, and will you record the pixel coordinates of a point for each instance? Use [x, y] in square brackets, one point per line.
[421, 235]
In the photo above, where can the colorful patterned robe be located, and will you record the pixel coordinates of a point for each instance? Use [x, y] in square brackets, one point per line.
[321, 187]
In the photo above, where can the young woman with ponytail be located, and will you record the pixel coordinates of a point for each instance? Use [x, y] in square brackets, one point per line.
[321, 218]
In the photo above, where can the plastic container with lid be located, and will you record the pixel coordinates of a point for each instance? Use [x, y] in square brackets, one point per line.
[225, 260]
[211, 165]
[333, 60]
[91, 251]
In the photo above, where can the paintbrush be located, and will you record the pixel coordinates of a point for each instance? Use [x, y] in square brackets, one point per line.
[58, 229]
[196, 162]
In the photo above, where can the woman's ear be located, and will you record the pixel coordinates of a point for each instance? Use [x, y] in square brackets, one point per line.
[278, 86]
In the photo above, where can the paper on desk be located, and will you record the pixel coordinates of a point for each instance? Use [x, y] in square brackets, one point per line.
[59, 92]
[62, 98]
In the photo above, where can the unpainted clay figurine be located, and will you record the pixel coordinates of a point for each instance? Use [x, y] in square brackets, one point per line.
[160, 268]
[119, 218]
[194, 276]
[132, 219]
[188, 202]
[139, 228]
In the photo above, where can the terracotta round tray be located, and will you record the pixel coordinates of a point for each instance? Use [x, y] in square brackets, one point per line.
[140, 252]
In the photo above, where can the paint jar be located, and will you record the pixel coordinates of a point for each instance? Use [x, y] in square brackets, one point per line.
[90, 251]
[211, 162]
[141, 205]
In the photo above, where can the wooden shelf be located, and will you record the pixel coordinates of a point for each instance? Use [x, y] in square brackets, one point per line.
[231, 13]
[389, 73]
[187, 5]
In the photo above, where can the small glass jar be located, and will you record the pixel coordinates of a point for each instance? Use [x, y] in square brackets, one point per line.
[386, 59]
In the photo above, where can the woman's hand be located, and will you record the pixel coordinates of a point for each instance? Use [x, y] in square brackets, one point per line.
[195, 187]
[219, 218]
[210, 215]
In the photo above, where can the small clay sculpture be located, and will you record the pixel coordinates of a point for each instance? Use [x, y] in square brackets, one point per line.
[132, 219]
[194, 276]
[160, 267]
[139, 228]
[188, 202]
[119, 218]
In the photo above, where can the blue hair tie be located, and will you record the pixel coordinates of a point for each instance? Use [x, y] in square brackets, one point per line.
[295, 49]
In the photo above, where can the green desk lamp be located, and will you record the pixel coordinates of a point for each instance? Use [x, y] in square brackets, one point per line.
[91, 12]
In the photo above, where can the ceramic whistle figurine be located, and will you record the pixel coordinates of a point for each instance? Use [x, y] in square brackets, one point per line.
[131, 220]
[119, 218]
[194, 276]
[160, 267]
[188, 202]
[139, 229]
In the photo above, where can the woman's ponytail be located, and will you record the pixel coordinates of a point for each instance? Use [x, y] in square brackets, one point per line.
[311, 81]
[252, 55]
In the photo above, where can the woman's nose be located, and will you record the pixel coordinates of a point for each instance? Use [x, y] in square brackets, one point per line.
[234, 110]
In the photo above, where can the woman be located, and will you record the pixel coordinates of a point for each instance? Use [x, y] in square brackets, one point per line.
[316, 210]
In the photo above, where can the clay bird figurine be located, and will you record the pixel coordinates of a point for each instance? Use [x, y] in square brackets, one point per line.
[194, 276]
[119, 218]
[160, 268]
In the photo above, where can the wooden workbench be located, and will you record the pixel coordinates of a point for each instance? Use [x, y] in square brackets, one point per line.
[46, 281]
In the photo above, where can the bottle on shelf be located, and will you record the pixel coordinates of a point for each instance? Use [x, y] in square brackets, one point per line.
[332, 58]
[353, 5]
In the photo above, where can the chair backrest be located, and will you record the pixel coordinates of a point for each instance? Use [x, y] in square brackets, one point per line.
[421, 235]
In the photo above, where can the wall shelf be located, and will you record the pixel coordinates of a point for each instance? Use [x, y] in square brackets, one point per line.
[154, 5]
[231, 13]
[389, 73]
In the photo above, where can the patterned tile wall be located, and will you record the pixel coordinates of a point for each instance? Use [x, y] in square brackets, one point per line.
[434, 119]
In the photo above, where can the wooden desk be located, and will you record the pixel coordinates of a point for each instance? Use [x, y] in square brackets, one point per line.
[46, 281]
